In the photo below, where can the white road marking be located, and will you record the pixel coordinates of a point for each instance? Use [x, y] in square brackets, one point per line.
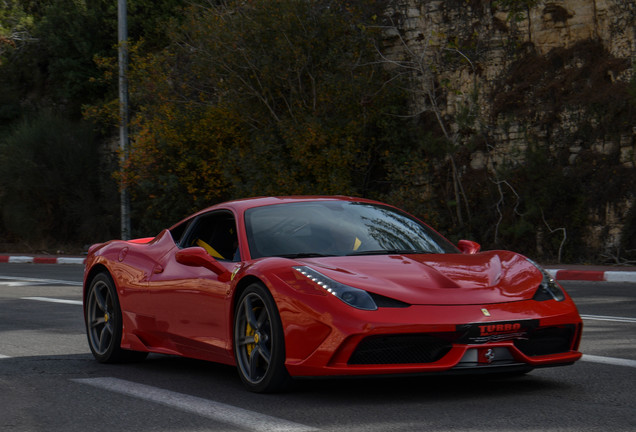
[31, 281]
[19, 284]
[608, 318]
[221, 412]
[54, 300]
[48, 260]
[609, 360]
[3, 356]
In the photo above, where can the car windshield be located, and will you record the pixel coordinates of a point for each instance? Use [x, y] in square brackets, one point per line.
[337, 228]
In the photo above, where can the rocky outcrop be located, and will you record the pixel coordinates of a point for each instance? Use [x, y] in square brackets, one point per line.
[526, 74]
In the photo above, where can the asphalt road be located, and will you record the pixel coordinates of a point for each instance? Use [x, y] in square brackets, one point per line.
[50, 382]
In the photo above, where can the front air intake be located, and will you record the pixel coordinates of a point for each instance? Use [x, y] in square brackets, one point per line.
[545, 341]
[399, 349]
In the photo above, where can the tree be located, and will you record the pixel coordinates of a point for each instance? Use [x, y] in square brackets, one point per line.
[51, 190]
[16, 27]
[262, 97]
[48, 50]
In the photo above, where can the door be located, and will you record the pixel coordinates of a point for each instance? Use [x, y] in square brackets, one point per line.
[192, 302]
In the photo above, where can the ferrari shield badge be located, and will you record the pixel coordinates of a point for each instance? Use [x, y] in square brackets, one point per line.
[235, 271]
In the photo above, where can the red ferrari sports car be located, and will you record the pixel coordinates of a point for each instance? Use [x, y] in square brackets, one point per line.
[323, 286]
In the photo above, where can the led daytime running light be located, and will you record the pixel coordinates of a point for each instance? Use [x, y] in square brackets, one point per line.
[355, 297]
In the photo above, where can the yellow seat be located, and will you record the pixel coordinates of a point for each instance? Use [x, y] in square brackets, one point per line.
[209, 249]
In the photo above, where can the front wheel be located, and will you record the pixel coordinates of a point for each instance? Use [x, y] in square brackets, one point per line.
[104, 322]
[259, 344]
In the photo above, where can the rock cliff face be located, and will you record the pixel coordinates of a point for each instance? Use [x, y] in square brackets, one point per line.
[524, 75]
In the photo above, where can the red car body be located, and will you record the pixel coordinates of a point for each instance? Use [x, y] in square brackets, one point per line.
[435, 312]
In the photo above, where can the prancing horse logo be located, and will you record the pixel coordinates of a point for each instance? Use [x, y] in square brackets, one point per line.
[490, 355]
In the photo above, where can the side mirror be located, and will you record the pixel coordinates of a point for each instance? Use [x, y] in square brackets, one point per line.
[198, 257]
[468, 247]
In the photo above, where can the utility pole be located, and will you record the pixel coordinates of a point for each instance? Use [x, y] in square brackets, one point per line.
[122, 30]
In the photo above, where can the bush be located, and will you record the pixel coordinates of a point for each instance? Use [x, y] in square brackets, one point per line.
[51, 186]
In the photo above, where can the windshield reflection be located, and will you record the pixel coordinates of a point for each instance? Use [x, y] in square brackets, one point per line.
[337, 228]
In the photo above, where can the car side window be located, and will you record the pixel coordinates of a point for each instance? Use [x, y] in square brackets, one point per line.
[178, 231]
[216, 233]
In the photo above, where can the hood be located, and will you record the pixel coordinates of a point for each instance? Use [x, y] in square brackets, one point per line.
[437, 279]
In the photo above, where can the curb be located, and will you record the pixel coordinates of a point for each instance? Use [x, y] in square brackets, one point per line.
[16, 259]
[592, 275]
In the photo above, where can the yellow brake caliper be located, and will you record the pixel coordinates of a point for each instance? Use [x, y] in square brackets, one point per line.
[249, 331]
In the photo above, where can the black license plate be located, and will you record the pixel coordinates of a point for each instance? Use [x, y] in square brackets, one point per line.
[483, 332]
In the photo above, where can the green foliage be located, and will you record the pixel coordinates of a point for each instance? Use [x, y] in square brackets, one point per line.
[263, 97]
[632, 86]
[148, 20]
[251, 97]
[69, 35]
[48, 50]
[628, 236]
[58, 41]
[52, 184]
[516, 8]
[550, 194]
[542, 87]
[15, 27]
[546, 88]
[548, 198]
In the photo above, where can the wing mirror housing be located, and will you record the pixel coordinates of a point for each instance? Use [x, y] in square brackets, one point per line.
[198, 257]
[468, 247]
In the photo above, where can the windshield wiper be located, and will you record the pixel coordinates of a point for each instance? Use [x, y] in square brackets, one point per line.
[389, 252]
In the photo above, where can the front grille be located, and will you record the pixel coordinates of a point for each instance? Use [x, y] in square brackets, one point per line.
[399, 349]
[551, 340]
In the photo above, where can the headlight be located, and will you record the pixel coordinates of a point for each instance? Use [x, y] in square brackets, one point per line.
[548, 289]
[355, 297]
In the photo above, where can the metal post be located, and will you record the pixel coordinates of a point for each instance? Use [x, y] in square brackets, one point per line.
[122, 30]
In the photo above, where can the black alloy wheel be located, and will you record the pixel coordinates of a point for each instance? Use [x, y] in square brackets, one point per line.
[259, 345]
[104, 322]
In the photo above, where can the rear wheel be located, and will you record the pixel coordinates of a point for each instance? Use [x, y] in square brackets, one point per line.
[104, 322]
[259, 344]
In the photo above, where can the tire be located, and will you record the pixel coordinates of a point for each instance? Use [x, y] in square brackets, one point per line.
[104, 323]
[259, 342]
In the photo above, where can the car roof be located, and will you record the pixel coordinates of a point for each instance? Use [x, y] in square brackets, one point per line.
[241, 205]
